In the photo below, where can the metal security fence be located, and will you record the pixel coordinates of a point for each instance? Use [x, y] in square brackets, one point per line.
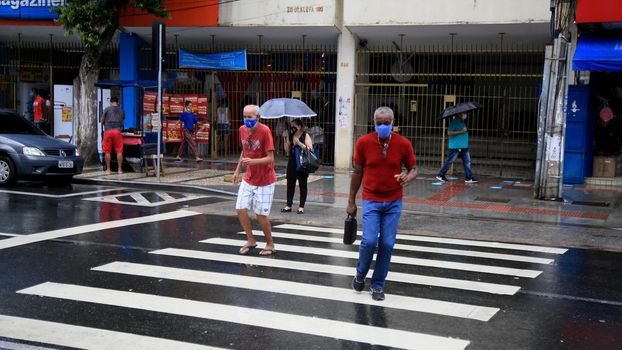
[43, 64]
[418, 82]
[304, 72]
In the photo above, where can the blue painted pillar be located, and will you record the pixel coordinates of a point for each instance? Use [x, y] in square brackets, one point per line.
[128, 67]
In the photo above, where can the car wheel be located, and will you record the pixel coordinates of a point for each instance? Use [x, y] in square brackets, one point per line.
[7, 170]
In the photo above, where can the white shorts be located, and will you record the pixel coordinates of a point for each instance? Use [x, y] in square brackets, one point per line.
[255, 198]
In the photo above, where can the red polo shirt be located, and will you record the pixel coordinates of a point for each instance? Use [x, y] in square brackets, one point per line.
[378, 182]
[257, 145]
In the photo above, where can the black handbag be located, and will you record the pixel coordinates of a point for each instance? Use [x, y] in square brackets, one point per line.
[308, 161]
[349, 230]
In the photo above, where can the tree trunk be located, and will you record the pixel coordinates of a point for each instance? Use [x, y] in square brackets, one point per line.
[85, 109]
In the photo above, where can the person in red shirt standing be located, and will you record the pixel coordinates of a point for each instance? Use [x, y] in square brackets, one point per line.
[257, 188]
[378, 160]
[37, 106]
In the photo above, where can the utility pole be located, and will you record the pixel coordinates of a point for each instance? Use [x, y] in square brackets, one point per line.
[552, 106]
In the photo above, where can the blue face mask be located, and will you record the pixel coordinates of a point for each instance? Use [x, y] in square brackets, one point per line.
[250, 123]
[30, 94]
[384, 130]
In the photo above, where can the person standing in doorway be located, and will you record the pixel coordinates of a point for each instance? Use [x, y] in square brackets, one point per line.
[379, 158]
[32, 94]
[298, 139]
[38, 107]
[458, 147]
[257, 188]
[189, 121]
[112, 122]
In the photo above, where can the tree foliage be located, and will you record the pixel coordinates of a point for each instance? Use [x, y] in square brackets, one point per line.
[92, 18]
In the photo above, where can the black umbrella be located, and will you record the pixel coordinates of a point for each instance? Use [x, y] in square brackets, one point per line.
[460, 108]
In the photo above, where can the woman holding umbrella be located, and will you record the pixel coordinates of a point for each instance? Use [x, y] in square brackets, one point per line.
[298, 138]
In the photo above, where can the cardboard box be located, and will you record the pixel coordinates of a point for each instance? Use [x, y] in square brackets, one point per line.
[604, 166]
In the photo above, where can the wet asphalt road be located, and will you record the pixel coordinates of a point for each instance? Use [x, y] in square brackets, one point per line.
[83, 265]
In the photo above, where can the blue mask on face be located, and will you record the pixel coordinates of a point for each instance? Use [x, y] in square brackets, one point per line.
[384, 130]
[250, 123]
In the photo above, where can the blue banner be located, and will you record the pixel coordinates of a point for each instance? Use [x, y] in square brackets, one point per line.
[29, 9]
[598, 53]
[234, 60]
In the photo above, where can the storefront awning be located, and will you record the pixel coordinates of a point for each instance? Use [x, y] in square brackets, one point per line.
[598, 53]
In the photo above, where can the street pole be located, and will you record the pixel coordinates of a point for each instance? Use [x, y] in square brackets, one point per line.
[159, 100]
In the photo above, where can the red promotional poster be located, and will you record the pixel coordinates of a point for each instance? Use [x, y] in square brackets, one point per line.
[202, 134]
[171, 131]
[202, 106]
[194, 99]
[176, 103]
[149, 102]
[166, 108]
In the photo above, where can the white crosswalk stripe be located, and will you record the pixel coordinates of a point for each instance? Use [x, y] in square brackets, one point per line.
[488, 244]
[480, 313]
[84, 337]
[343, 270]
[395, 258]
[252, 317]
[283, 277]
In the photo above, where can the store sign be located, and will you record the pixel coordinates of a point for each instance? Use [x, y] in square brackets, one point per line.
[29, 9]
[599, 11]
[234, 60]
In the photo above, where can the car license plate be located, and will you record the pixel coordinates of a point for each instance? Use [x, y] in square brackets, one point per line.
[65, 164]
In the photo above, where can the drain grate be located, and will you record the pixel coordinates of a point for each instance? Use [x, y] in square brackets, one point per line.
[493, 200]
[592, 204]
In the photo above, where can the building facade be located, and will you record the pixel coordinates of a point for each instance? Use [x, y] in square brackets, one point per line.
[345, 58]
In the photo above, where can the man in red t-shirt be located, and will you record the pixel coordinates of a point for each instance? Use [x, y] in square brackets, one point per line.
[378, 160]
[37, 106]
[257, 188]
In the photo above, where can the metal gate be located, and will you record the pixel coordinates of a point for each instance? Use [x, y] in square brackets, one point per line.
[304, 72]
[418, 82]
[43, 63]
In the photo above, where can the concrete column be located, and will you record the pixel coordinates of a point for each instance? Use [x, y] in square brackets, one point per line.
[128, 70]
[344, 121]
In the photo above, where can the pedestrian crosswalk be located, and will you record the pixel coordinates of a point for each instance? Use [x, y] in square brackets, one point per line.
[301, 295]
[146, 198]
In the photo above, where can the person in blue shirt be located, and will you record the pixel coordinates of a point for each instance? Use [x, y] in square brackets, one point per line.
[458, 147]
[190, 121]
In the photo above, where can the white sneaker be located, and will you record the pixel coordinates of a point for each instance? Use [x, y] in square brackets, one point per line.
[470, 181]
[442, 179]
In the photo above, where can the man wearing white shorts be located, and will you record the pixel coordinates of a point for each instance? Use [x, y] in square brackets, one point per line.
[257, 188]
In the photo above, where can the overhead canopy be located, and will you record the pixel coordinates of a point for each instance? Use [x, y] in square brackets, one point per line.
[141, 84]
[598, 53]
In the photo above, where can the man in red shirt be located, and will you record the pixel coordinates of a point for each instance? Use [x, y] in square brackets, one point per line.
[257, 188]
[37, 106]
[378, 160]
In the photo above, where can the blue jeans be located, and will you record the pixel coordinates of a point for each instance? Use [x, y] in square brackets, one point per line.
[380, 221]
[466, 161]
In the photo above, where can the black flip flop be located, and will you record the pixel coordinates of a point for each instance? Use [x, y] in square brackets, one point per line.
[268, 252]
[248, 249]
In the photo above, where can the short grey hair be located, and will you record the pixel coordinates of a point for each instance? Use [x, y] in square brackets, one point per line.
[255, 108]
[383, 110]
